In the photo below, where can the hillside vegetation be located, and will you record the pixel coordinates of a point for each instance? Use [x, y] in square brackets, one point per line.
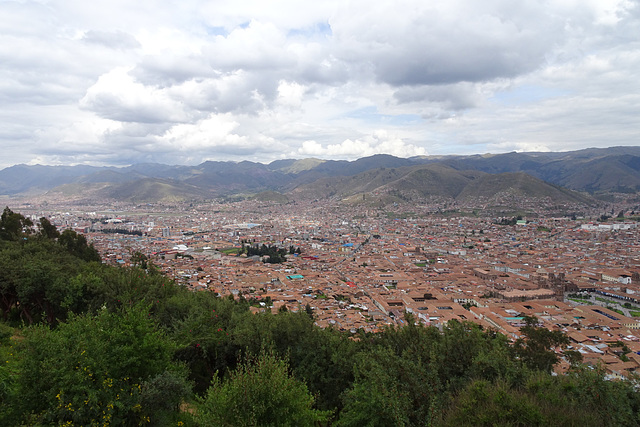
[439, 181]
[87, 344]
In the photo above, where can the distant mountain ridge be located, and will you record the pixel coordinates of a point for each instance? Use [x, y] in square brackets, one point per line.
[439, 181]
[594, 170]
[615, 169]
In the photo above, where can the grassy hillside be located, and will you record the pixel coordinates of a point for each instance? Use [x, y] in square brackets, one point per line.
[435, 180]
[271, 196]
[153, 190]
[520, 184]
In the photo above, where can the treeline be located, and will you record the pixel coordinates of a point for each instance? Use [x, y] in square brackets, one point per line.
[509, 221]
[121, 231]
[275, 255]
[125, 346]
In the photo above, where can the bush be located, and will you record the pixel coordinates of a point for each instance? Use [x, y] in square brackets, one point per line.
[259, 392]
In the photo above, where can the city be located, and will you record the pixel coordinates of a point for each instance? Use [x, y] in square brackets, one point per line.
[356, 267]
[335, 213]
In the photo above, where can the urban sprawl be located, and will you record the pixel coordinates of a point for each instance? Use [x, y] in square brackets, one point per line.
[361, 268]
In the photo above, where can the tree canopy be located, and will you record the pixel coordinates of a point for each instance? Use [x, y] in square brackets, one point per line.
[83, 343]
[259, 392]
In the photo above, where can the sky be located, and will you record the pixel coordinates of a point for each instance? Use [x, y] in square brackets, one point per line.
[121, 82]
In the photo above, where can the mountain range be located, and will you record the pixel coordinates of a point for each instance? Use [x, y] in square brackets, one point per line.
[572, 176]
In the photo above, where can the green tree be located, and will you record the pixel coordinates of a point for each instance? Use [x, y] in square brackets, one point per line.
[581, 398]
[162, 395]
[13, 226]
[309, 311]
[536, 347]
[35, 281]
[391, 390]
[47, 230]
[138, 259]
[322, 358]
[487, 404]
[204, 326]
[259, 392]
[93, 369]
[77, 245]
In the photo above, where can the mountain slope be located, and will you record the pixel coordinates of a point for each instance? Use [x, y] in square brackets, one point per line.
[518, 184]
[434, 180]
[150, 190]
[592, 170]
[24, 178]
[437, 180]
[615, 169]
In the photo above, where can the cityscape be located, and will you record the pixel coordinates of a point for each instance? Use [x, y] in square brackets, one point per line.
[320, 213]
[360, 269]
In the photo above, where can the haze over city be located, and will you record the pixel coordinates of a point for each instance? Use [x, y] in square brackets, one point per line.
[118, 83]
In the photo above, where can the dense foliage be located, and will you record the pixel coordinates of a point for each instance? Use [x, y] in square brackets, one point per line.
[259, 392]
[271, 254]
[86, 344]
[121, 231]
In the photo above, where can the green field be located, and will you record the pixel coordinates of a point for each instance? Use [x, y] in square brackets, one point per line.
[581, 301]
[230, 251]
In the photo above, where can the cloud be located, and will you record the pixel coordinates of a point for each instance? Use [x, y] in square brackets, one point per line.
[258, 46]
[380, 142]
[290, 94]
[421, 43]
[216, 136]
[121, 82]
[519, 147]
[458, 96]
[170, 70]
[117, 96]
[111, 39]
[214, 131]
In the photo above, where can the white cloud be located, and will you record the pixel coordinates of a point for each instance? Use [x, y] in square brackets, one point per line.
[290, 94]
[214, 131]
[214, 138]
[380, 142]
[111, 39]
[122, 82]
[415, 42]
[519, 147]
[258, 46]
[117, 96]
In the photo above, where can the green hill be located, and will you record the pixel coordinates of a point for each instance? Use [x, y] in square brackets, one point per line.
[519, 184]
[153, 190]
[271, 196]
[435, 180]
